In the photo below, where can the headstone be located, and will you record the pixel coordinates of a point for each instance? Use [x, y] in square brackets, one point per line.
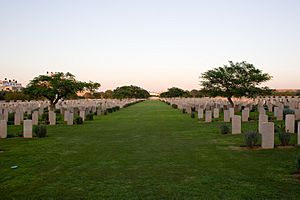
[262, 119]
[236, 124]
[298, 138]
[82, 114]
[35, 117]
[226, 116]
[216, 113]
[27, 128]
[231, 110]
[70, 119]
[208, 117]
[66, 115]
[3, 129]
[52, 117]
[17, 120]
[200, 113]
[245, 115]
[290, 123]
[275, 111]
[279, 114]
[297, 114]
[267, 135]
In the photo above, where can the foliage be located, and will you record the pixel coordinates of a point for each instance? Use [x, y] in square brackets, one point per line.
[11, 119]
[251, 138]
[174, 106]
[89, 117]
[298, 163]
[56, 86]
[14, 96]
[174, 92]
[131, 91]
[40, 131]
[284, 137]
[196, 93]
[236, 80]
[224, 129]
[287, 111]
[78, 120]
[193, 115]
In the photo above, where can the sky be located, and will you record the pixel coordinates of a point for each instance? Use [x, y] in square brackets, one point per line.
[154, 44]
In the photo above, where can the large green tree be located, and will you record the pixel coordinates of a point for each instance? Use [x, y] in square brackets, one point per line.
[239, 79]
[57, 86]
[175, 92]
[130, 92]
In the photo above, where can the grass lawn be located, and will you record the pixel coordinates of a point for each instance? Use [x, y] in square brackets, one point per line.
[146, 151]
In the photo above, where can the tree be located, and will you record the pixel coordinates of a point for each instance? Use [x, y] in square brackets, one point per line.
[130, 92]
[56, 86]
[174, 92]
[236, 80]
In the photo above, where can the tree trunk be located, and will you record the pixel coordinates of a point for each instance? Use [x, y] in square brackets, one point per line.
[230, 101]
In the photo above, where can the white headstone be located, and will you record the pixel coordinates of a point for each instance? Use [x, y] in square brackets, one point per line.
[231, 110]
[52, 117]
[279, 114]
[3, 129]
[216, 113]
[35, 117]
[27, 128]
[290, 123]
[267, 135]
[262, 119]
[236, 124]
[82, 114]
[226, 116]
[70, 119]
[208, 117]
[200, 113]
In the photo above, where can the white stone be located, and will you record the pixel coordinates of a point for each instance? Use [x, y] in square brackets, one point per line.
[52, 117]
[236, 124]
[262, 119]
[35, 117]
[82, 114]
[245, 115]
[267, 135]
[208, 117]
[17, 120]
[226, 116]
[216, 113]
[200, 113]
[70, 119]
[3, 129]
[298, 138]
[27, 128]
[279, 114]
[231, 110]
[290, 123]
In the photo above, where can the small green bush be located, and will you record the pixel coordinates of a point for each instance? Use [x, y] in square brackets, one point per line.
[284, 138]
[251, 138]
[183, 110]
[78, 120]
[105, 112]
[174, 106]
[11, 119]
[224, 129]
[193, 115]
[40, 131]
[298, 163]
[109, 110]
[89, 117]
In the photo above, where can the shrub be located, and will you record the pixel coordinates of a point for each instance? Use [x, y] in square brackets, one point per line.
[11, 119]
[40, 131]
[284, 137]
[193, 109]
[251, 138]
[174, 106]
[183, 110]
[224, 129]
[105, 112]
[287, 111]
[193, 115]
[78, 120]
[298, 163]
[89, 117]
[109, 110]
[57, 111]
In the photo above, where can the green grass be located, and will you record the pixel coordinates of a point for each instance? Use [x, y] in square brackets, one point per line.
[146, 151]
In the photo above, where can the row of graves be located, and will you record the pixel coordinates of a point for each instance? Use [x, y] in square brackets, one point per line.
[272, 109]
[33, 113]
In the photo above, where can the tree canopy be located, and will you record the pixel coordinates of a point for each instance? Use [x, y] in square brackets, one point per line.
[175, 92]
[130, 92]
[239, 79]
[57, 86]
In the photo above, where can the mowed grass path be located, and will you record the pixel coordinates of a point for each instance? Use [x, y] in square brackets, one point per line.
[146, 151]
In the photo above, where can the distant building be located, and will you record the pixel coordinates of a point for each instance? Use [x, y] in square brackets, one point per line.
[10, 85]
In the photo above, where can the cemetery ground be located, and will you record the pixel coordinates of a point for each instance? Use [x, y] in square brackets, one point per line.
[146, 151]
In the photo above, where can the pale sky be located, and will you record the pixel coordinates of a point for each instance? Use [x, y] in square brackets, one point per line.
[155, 44]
